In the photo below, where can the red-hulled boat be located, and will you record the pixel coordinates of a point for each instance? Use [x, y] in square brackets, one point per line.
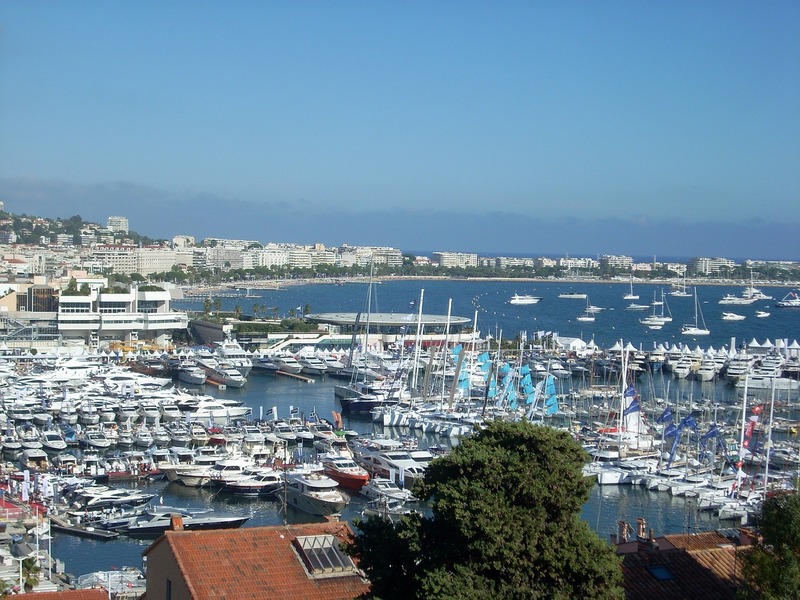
[344, 471]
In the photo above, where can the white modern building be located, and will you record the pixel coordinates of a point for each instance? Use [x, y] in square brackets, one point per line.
[101, 316]
[449, 260]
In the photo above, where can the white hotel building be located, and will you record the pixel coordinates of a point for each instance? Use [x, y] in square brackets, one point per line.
[102, 317]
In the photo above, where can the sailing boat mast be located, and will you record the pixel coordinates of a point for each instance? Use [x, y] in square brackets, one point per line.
[417, 342]
[444, 351]
[768, 445]
[369, 306]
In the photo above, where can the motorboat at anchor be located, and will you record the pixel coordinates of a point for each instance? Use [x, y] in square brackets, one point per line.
[157, 519]
[314, 493]
[524, 299]
[730, 316]
[345, 471]
[379, 487]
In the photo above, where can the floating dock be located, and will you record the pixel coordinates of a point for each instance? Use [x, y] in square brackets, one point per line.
[296, 376]
[64, 526]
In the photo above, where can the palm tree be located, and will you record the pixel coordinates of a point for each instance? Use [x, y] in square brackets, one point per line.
[256, 309]
[217, 308]
[30, 572]
[237, 311]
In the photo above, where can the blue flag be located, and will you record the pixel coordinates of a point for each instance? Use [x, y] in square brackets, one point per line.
[666, 416]
[633, 407]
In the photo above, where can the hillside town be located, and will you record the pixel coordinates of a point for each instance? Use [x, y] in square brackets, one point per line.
[64, 278]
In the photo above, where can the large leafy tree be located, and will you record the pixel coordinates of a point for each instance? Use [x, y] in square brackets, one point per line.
[505, 523]
[771, 568]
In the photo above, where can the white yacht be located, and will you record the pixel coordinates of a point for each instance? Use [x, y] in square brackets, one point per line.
[381, 487]
[311, 364]
[524, 299]
[314, 493]
[191, 374]
[206, 409]
[287, 363]
[230, 352]
[227, 375]
[730, 316]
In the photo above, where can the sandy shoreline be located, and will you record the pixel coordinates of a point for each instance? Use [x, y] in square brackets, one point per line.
[267, 284]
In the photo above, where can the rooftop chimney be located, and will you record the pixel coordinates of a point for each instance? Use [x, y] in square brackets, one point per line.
[641, 528]
[176, 522]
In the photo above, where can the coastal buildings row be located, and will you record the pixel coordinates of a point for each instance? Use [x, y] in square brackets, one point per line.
[225, 255]
[110, 248]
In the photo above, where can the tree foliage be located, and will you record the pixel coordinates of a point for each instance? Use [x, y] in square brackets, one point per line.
[771, 568]
[505, 524]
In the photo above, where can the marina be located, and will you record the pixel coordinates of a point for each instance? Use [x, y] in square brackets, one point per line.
[585, 393]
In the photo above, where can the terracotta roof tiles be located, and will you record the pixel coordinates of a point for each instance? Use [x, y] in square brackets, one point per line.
[707, 574]
[698, 541]
[703, 565]
[257, 562]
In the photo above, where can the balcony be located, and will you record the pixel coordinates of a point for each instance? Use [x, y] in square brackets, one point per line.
[162, 321]
[78, 321]
[122, 322]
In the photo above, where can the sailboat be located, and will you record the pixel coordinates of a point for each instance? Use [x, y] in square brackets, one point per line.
[655, 320]
[630, 295]
[699, 327]
[588, 315]
[679, 290]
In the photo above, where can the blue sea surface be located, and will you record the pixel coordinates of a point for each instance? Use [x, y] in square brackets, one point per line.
[488, 300]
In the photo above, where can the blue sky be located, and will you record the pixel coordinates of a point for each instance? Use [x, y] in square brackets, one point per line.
[634, 127]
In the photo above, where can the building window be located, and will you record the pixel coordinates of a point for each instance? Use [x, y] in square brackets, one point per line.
[168, 594]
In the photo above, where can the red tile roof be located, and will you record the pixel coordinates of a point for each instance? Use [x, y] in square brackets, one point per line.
[708, 574]
[698, 541]
[257, 562]
[703, 565]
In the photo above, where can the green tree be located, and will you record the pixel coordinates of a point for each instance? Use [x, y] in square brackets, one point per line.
[217, 308]
[30, 572]
[237, 312]
[771, 568]
[505, 524]
[207, 306]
